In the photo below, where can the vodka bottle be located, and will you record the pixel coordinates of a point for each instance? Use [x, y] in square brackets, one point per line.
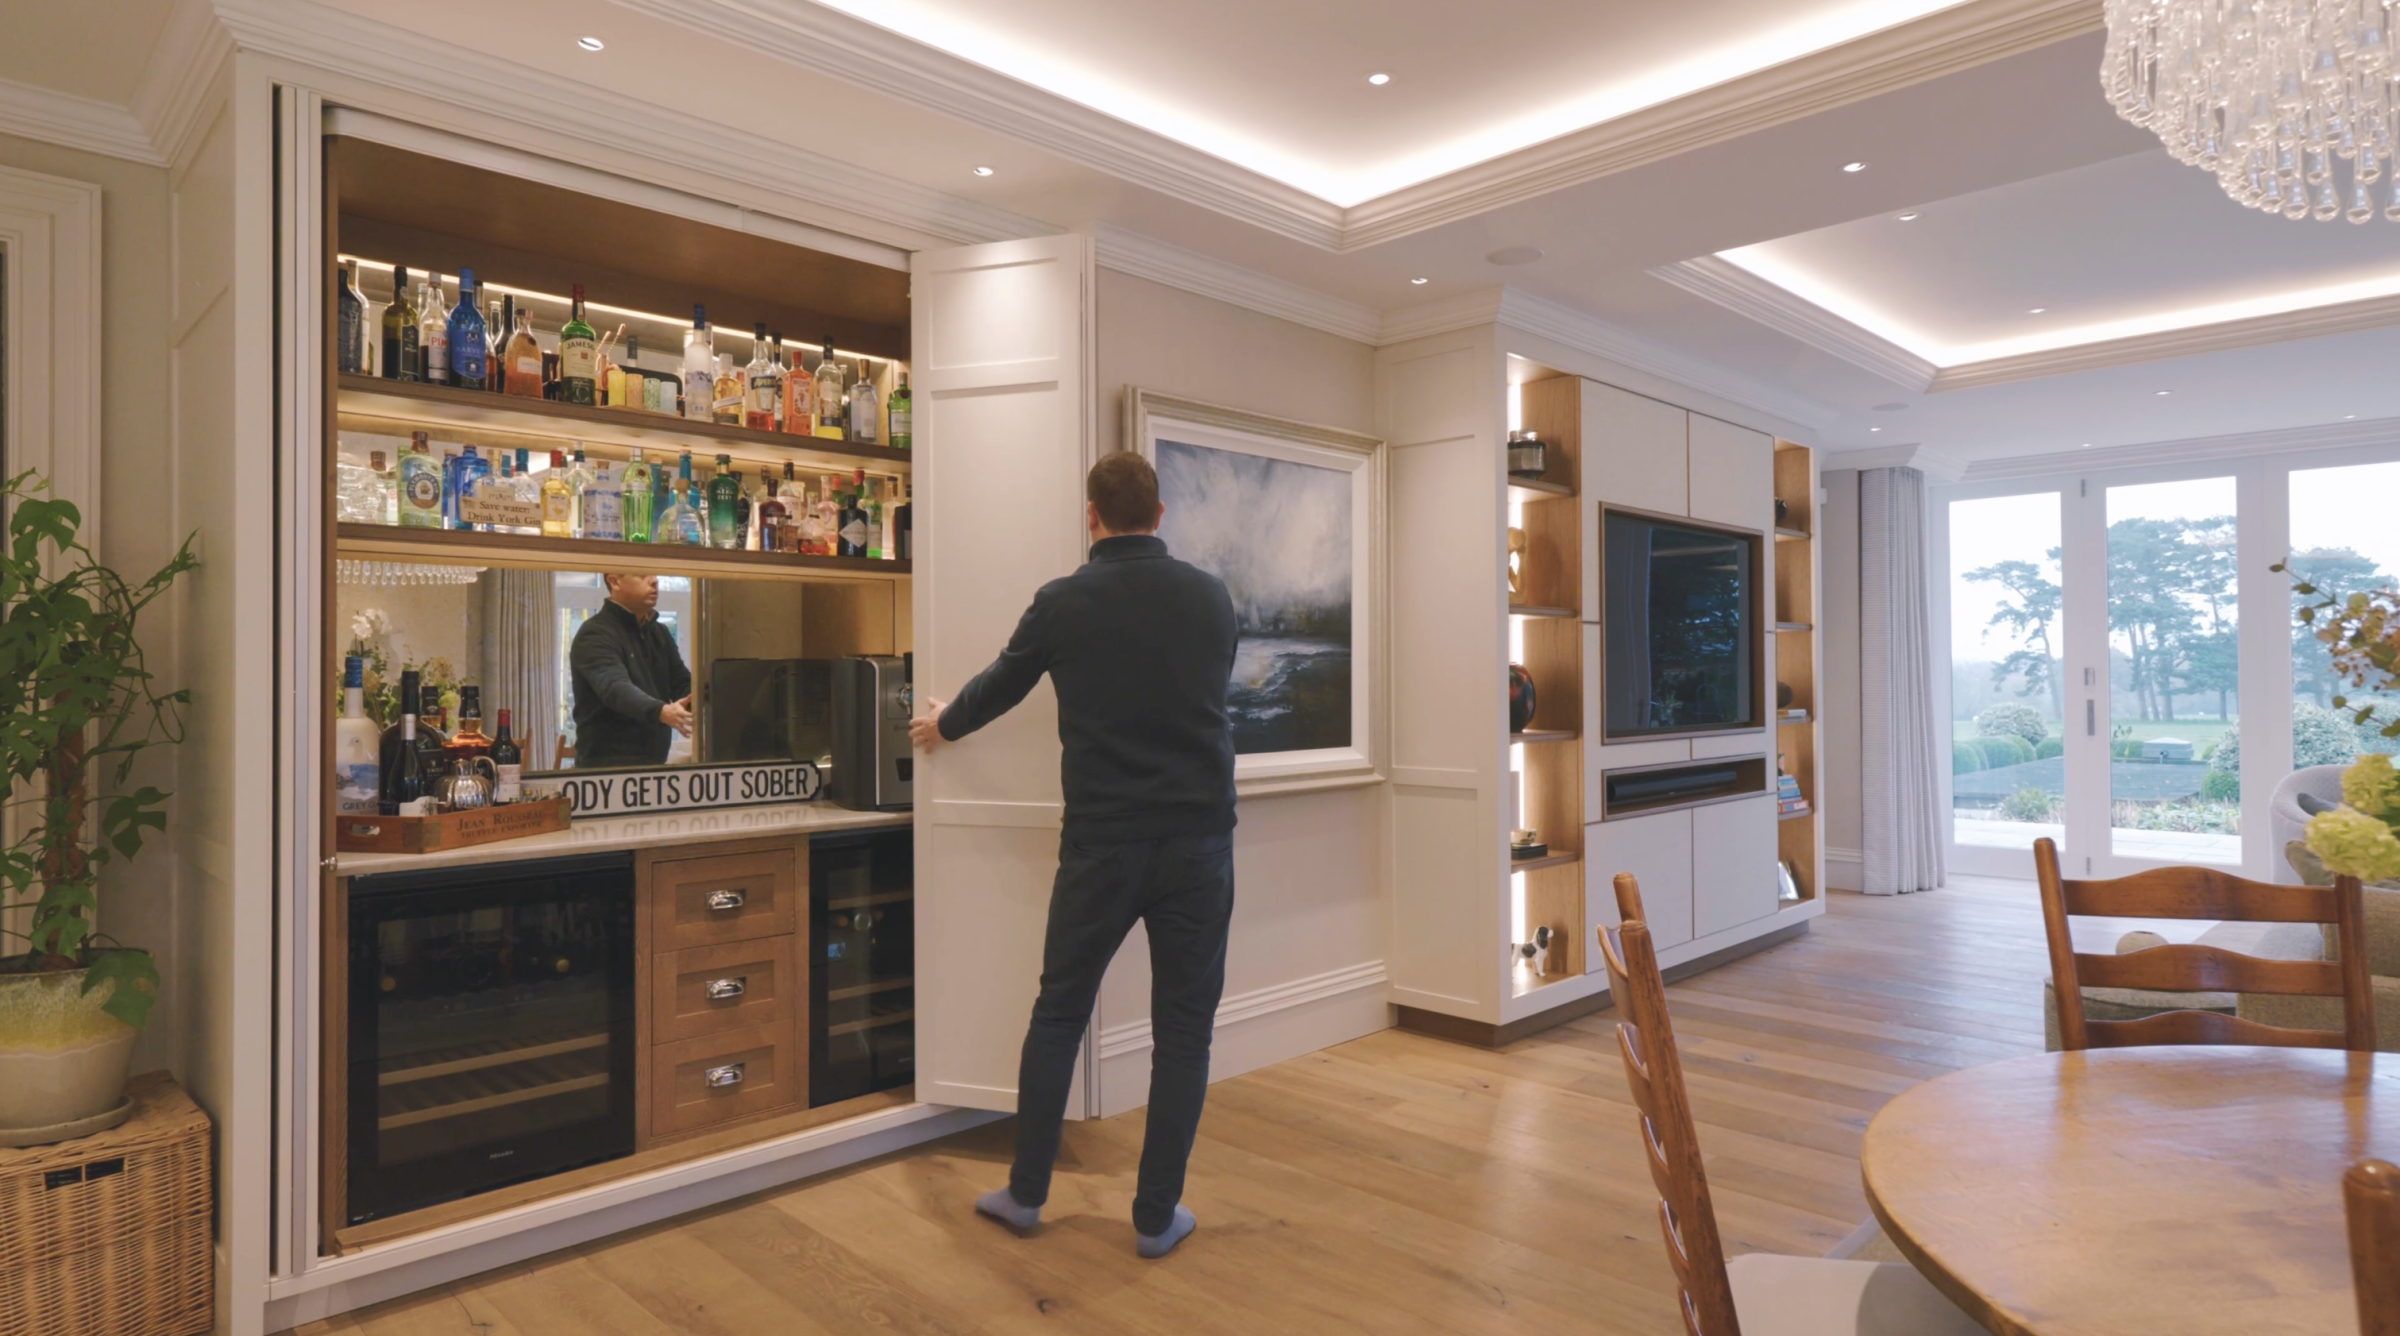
[699, 367]
[599, 511]
[433, 331]
[356, 742]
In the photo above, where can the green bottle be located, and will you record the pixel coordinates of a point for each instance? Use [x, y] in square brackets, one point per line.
[900, 410]
[724, 496]
[636, 508]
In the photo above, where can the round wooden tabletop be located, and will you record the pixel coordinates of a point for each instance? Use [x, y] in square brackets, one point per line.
[2193, 1191]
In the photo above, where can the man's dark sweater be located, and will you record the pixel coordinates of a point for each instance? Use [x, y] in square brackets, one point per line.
[1139, 647]
[625, 670]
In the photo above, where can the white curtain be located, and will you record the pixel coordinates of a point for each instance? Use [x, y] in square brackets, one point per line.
[520, 660]
[1901, 827]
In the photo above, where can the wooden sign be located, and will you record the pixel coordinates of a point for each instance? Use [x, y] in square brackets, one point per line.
[692, 788]
[485, 505]
[450, 830]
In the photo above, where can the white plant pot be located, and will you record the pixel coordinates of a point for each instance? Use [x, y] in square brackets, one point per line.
[62, 1059]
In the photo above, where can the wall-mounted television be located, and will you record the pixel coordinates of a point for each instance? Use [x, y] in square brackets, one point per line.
[1679, 618]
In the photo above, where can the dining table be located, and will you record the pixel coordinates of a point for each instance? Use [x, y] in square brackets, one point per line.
[2184, 1191]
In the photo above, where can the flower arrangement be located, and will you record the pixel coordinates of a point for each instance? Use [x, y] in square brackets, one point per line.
[2361, 631]
[2357, 839]
[370, 629]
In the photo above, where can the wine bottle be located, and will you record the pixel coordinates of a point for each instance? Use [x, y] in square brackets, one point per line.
[578, 357]
[508, 762]
[401, 771]
[400, 330]
[350, 322]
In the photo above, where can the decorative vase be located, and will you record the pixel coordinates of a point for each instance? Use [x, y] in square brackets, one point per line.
[1520, 698]
[1783, 695]
[62, 1059]
[1527, 457]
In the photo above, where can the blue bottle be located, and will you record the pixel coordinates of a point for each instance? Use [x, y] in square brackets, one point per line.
[473, 468]
[466, 336]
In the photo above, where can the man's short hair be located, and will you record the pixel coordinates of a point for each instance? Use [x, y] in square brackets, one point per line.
[1125, 489]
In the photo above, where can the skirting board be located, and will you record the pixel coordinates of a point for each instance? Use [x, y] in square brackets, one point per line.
[1483, 1034]
[1255, 1029]
[1845, 869]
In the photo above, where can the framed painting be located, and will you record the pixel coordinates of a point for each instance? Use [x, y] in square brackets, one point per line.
[1290, 517]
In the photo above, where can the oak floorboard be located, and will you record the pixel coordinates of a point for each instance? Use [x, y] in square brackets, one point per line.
[1397, 1184]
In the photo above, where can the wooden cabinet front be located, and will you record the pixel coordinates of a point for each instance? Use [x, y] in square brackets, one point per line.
[710, 989]
[723, 897]
[718, 1078]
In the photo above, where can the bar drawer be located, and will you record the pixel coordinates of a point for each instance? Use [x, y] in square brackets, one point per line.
[724, 898]
[721, 1077]
[708, 990]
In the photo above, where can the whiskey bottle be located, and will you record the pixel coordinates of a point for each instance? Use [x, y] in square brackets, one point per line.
[558, 502]
[725, 393]
[866, 408]
[765, 391]
[636, 497]
[468, 741]
[578, 357]
[799, 417]
[523, 359]
[699, 367]
[829, 394]
[433, 331]
[465, 335]
[769, 516]
[400, 330]
[350, 323]
[508, 764]
[420, 485]
[902, 415]
[724, 497]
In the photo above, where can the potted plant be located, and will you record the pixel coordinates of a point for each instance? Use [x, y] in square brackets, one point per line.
[77, 707]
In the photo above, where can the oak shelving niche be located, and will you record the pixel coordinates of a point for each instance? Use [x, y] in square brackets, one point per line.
[386, 542]
[1799, 837]
[1549, 624]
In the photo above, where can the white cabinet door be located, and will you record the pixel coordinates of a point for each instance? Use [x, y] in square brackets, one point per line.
[1657, 850]
[1733, 475]
[1001, 350]
[1733, 863]
[1636, 453]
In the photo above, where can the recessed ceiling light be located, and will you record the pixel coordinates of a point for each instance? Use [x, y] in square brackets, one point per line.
[1515, 255]
[2087, 445]
[2037, 310]
[983, 171]
[2164, 393]
[1420, 282]
[590, 43]
[2349, 417]
[1874, 429]
[1854, 166]
[1379, 79]
[1910, 217]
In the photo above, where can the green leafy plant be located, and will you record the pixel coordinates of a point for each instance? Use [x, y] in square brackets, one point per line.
[2029, 804]
[2009, 719]
[77, 706]
[2361, 634]
[1965, 758]
[2004, 749]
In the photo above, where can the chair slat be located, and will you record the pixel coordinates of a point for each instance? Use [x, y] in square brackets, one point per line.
[2204, 1027]
[2200, 893]
[2193, 968]
[2371, 1192]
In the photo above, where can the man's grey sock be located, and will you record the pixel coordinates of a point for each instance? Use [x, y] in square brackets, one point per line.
[1002, 1205]
[1155, 1246]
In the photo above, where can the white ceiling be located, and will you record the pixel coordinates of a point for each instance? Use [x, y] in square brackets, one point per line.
[86, 48]
[1282, 90]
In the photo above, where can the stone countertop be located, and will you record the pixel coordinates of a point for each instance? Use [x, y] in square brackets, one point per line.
[610, 833]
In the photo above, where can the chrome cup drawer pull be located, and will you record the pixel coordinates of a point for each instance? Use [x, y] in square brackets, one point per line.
[720, 989]
[725, 901]
[725, 1077]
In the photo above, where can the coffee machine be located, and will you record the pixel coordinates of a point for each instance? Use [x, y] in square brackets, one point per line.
[873, 768]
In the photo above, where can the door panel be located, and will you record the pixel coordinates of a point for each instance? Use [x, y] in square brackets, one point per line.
[1733, 864]
[1001, 364]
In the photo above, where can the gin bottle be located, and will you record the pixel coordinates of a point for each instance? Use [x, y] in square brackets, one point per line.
[433, 330]
[636, 500]
[764, 392]
[599, 509]
[724, 498]
[900, 411]
[420, 485]
[466, 337]
[866, 408]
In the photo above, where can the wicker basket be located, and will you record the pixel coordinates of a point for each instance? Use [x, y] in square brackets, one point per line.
[109, 1235]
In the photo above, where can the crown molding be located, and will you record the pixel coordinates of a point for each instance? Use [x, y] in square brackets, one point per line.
[2190, 450]
[1161, 262]
[177, 75]
[857, 52]
[52, 117]
[1590, 334]
[1780, 309]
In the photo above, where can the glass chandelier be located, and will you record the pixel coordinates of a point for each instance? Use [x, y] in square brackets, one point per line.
[2269, 94]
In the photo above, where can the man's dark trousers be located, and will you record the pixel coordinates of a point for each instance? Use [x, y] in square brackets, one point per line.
[1181, 890]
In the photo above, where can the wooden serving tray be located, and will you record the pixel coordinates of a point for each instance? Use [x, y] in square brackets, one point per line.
[450, 830]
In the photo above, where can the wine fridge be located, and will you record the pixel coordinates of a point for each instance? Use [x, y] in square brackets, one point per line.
[863, 978]
[490, 1028]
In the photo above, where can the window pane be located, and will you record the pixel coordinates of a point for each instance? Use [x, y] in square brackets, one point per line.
[2344, 542]
[2174, 778]
[2008, 778]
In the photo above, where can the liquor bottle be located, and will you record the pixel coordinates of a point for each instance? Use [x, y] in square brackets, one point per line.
[469, 740]
[421, 485]
[508, 764]
[724, 497]
[679, 484]
[699, 367]
[745, 505]
[866, 408]
[850, 526]
[473, 468]
[400, 330]
[770, 514]
[496, 330]
[350, 322]
[558, 502]
[600, 506]
[725, 393]
[356, 741]
[830, 407]
[904, 536]
[579, 476]
[829, 517]
[387, 488]
[433, 330]
[799, 399]
[523, 359]
[466, 337]
[615, 382]
[765, 392]
[679, 524]
[400, 767]
[894, 501]
[578, 357]
[636, 500]
[901, 412]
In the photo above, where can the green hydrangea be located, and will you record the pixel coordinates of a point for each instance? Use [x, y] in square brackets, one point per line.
[2354, 844]
[2372, 786]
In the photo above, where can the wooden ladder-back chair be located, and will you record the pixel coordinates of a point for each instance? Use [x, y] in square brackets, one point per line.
[2204, 893]
[2371, 1191]
[1763, 1294]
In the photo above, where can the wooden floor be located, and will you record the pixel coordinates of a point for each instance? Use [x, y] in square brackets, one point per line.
[1395, 1184]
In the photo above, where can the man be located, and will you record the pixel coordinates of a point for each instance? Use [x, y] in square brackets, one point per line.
[632, 690]
[1139, 647]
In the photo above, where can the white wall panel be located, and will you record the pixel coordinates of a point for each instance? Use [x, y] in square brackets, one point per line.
[1732, 475]
[1657, 850]
[1733, 863]
[1635, 451]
